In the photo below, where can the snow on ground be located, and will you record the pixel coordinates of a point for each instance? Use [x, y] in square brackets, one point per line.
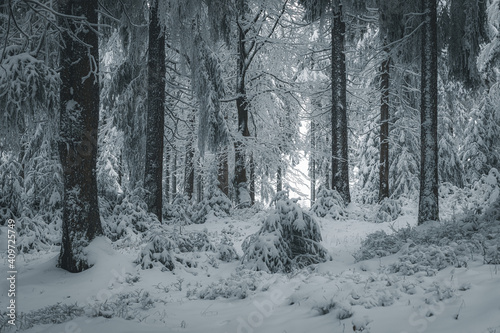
[336, 296]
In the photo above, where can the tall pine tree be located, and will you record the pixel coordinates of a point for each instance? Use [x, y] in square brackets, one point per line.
[79, 118]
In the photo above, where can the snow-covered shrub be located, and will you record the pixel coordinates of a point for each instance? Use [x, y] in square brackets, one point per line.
[389, 210]
[194, 241]
[159, 249]
[329, 203]
[341, 311]
[130, 219]
[239, 285]
[179, 212]
[226, 252]
[41, 232]
[453, 198]
[215, 202]
[11, 188]
[378, 244]
[53, 314]
[485, 192]
[288, 237]
[123, 305]
[430, 258]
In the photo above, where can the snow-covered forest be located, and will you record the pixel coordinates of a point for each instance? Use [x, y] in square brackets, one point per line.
[250, 166]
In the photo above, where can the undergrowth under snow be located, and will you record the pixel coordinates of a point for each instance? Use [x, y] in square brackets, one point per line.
[386, 275]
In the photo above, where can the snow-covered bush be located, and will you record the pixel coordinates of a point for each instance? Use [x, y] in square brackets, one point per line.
[53, 314]
[226, 252]
[168, 247]
[389, 210]
[11, 188]
[431, 258]
[451, 198]
[329, 203]
[485, 192]
[41, 232]
[123, 305]
[193, 241]
[378, 244]
[215, 202]
[159, 249]
[179, 212]
[289, 237]
[239, 285]
[129, 219]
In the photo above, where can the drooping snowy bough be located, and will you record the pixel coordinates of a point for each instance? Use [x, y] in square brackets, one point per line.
[289, 238]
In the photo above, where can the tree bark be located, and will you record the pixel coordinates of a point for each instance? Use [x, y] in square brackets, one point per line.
[384, 130]
[189, 171]
[173, 174]
[340, 164]
[312, 161]
[279, 179]
[252, 179]
[153, 174]
[79, 118]
[240, 172]
[223, 171]
[428, 209]
[168, 157]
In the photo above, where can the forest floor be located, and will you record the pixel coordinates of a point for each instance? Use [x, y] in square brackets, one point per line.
[340, 295]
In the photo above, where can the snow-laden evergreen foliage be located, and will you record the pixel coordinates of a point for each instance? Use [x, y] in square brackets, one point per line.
[484, 193]
[215, 203]
[41, 232]
[388, 211]
[158, 249]
[480, 151]
[179, 212]
[11, 187]
[432, 247]
[168, 248]
[109, 168]
[329, 204]
[239, 285]
[28, 93]
[288, 238]
[129, 219]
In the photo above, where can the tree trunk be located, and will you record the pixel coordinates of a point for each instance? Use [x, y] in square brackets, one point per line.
[240, 173]
[340, 164]
[312, 161]
[79, 118]
[223, 171]
[428, 209]
[153, 174]
[189, 171]
[168, 157]
[279, 179]
[252, 179]
[173, 175]
[384, 130]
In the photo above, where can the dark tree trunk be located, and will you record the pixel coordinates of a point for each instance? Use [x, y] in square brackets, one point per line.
[279, 179]
[79, 118]
[312, 161]
[384, 130]
[199, 183]
[168, 157]
[173, 174]
[156, 114]
[189, 170]
[428, 209]
[252, 180]
[340, 164]
[223, 171]
[240, 172]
